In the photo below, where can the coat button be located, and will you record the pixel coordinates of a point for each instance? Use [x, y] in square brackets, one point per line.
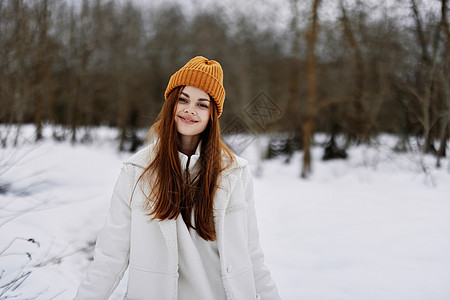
[229, 269]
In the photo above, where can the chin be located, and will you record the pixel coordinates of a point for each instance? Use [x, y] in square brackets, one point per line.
[185, 132]
[189, 131]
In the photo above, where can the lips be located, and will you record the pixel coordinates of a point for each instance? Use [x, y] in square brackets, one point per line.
[187, 120]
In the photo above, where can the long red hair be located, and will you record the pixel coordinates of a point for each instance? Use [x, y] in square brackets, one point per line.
[171, 192]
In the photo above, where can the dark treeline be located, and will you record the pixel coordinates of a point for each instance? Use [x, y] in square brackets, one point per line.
[101, 62]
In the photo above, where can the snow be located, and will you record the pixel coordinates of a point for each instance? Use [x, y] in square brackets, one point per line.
[374, 226]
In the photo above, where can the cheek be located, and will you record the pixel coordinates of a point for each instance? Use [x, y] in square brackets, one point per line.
[205, 113]
[205, 116]
[178, 107]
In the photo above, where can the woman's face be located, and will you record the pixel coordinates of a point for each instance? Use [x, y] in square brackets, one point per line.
[192, 111]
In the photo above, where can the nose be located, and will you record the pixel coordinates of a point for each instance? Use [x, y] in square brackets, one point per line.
[190, 109]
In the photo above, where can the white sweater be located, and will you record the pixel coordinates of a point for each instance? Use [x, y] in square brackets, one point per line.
[198, 260]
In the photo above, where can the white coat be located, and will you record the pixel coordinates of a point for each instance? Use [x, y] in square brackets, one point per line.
[149, 248]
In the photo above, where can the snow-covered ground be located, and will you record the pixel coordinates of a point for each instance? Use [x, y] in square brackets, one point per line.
[374, 226]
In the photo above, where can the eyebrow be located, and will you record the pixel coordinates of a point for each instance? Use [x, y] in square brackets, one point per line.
[200, 99]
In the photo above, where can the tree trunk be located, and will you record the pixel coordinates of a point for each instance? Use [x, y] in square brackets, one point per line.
[308, 123]
[359, 116]
[294, 89]
[21, 80]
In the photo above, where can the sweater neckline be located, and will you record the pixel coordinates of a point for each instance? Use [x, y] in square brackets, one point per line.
[189, 162]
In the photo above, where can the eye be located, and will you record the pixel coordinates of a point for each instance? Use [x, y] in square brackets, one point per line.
[202, 105]
[182, 100]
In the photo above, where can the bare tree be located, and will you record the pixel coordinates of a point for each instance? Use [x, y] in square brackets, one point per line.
[294, 80]
[308, 122]
[445, 81]
[42, 56]
[425, 88]
[20, 79]
[358, 114]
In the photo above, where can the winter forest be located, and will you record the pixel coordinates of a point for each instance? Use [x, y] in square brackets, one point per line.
[341, 107]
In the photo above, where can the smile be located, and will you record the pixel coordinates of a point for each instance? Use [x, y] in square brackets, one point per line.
[187, 121]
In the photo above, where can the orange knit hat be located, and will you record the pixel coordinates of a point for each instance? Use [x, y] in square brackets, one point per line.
[201, 73]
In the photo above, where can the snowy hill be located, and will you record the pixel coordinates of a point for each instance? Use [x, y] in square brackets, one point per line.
[374, 226]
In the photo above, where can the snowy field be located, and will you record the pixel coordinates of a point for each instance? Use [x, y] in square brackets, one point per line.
[374, 226]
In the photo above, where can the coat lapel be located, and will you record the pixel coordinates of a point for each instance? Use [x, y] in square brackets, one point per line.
[223, 192]
[221, 200]
[169, 232]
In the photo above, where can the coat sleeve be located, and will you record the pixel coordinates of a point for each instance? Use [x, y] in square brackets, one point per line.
[112, 249]
[265, 286]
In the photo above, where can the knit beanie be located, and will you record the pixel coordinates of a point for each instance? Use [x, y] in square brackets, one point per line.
[201, 73]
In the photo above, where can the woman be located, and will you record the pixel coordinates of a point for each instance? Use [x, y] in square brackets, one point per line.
[182, 216]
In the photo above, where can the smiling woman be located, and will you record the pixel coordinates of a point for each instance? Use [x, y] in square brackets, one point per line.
[192, 117]
[182, 216]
